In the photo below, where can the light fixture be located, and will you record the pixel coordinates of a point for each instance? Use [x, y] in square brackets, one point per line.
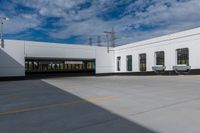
[2, 19]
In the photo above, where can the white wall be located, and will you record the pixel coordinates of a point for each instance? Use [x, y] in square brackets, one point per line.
[187, 39]
[54, 50]
[104, 60]
[12, 59]
[13, 55]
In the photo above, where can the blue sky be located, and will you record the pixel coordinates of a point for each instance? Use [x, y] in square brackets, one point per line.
[74, 21]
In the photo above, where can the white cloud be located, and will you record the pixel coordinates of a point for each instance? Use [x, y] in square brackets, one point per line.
[20, 23]
[167, 16]
[173, 17]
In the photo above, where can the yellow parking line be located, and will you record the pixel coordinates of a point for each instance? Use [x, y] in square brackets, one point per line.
[66, 103]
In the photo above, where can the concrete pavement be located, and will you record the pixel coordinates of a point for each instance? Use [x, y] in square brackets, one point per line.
[114, 104]
[167, 104]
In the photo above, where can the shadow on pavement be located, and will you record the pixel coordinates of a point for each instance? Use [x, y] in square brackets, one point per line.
[81, 117]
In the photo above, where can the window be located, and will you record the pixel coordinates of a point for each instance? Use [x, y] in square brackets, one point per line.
[129, 63]
[183, 56]
[119, 63]
[142, 59]
[36, 65]
[160, 58]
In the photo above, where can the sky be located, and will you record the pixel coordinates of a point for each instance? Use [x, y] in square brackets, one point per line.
[75, 21]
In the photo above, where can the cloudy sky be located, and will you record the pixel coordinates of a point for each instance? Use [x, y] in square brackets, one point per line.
[74, 21]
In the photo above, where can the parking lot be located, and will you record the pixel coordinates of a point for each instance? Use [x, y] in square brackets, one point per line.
[113, 104]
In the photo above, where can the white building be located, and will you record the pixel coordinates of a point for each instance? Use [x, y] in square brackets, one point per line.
[180, 50]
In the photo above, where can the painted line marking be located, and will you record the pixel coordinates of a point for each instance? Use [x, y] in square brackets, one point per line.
[66, 103]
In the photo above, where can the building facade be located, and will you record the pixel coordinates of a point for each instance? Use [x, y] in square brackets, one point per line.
[182, 49]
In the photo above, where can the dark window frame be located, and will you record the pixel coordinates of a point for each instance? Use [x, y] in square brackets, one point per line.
[143, 62]
[119, 63]
[52, 65]
[129, 63]
[182, 56]
[160, 58]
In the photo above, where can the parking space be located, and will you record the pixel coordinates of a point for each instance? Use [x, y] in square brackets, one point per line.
[115, 104]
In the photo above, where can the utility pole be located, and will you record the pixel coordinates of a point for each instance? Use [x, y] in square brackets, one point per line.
[2, 41]
[2, 19]
[90, 41]
[108, 44]
[98, 40]
[112, 38]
